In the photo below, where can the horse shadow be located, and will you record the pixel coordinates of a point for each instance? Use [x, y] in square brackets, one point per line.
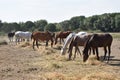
[113, 61]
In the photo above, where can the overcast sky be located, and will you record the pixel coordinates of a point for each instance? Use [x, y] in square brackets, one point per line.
[54, 10]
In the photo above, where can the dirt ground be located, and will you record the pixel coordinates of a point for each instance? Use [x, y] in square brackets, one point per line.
[21, 62]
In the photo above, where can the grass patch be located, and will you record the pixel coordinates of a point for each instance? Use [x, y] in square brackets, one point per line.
[116, 35]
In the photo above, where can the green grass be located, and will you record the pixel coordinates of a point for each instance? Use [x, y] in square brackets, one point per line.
[116, 35]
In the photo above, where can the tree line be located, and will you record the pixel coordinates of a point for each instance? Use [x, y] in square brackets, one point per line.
[108, 22]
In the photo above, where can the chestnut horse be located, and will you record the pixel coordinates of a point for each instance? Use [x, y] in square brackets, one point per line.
[78, 40]
[61, 35]
[43, 36]
[98, 40]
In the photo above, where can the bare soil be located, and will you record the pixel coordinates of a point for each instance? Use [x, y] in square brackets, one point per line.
[21, 62]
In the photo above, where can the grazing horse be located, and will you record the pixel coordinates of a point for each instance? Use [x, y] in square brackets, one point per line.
[61, 35]
[69, 40]
[20, 35]
[43, 36]
[78, 40]
[98, 40]
[10, 36]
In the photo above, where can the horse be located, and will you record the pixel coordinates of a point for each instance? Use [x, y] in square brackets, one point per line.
[69, 40]
[20, 35]
[62, 35]
[78, 40]
[43, 36]
[96, 41]
[10, 36]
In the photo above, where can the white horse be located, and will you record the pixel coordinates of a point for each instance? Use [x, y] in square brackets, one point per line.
[69, 39]
[20, 35]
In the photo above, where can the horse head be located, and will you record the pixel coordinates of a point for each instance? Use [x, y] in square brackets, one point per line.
[85, 51]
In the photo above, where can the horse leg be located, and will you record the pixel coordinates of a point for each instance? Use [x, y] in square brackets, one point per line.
[16, 40]
[37, 44]
[105, 50]
[33, 44]
[46, 42]
[97, 54]
[79, 50]
[70, 51]
[63, 40]
[70, 54]
[93, 51]
[52, 42]
[75, 53]
[109, 49]
[60, 40]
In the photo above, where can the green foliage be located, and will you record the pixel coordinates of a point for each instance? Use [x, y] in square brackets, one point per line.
[40, 24]
[51, 27]
[108, 22]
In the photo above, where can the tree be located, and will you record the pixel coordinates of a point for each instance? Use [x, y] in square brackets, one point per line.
[28, 26]
[1, 24]
[77, 22]
[117, 23]
[40, 24]
[51, 27]
[65, 25]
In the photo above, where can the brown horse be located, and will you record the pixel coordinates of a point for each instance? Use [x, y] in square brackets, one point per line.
[61, 35]
[98, 40]
[77, 41]
[43, 36]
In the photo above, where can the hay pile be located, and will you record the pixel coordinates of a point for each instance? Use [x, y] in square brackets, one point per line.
[92, 60]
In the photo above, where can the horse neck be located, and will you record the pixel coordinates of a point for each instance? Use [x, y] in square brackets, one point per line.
[68, 40]
[87, 45]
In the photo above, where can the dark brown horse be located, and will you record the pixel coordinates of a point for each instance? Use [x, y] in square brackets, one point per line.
[10, 36]
[42, 36]
[98, 40]
[77, 41]
[61, 35]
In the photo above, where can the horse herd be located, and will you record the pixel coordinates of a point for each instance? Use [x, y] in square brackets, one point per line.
[72, 39]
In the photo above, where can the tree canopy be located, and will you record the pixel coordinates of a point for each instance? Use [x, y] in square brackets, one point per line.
[108, 22]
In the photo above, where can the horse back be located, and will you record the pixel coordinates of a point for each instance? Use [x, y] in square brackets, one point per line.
[101, 40]
[41, 36]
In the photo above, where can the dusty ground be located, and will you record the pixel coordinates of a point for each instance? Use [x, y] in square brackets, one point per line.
[21, 62]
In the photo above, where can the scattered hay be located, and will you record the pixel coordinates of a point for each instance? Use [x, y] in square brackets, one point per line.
[46, 50]
[25, 44]
[58, 47]
[92, 60]
[100, 76]
[54, 76]
[53, 65]
[3, 43]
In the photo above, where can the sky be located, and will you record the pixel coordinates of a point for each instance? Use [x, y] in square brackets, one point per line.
[54, 10]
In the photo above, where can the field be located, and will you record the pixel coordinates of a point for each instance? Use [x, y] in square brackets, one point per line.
[21, 62]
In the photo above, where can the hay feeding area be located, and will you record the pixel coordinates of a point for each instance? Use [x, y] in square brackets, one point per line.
[21, 62]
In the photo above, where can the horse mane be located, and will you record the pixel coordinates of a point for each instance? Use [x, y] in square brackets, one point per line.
[68, 40]
[88, 41]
